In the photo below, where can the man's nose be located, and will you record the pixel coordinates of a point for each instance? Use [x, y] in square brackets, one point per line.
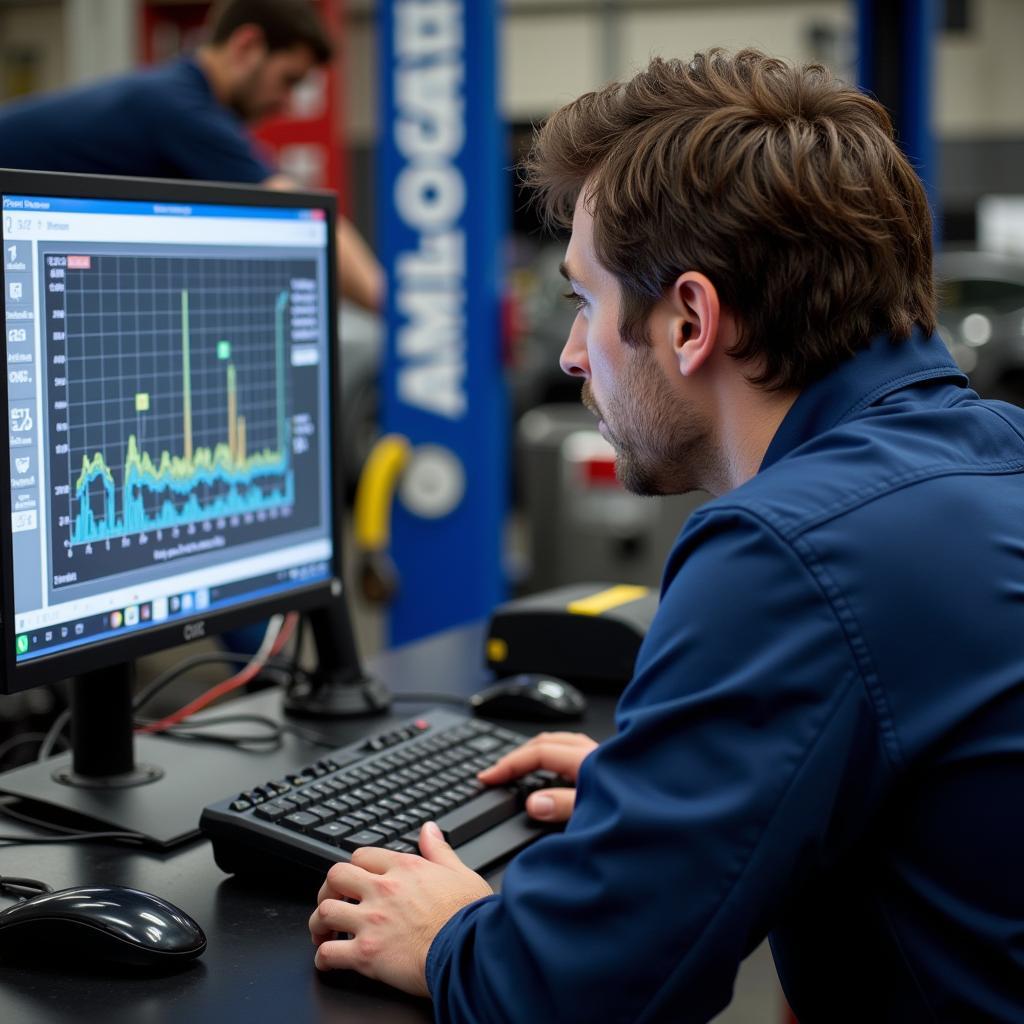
[573, 359]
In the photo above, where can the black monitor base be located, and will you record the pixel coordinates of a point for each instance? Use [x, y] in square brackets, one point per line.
[165, 810]
[140, 775]
[328, 698]
[338, 689]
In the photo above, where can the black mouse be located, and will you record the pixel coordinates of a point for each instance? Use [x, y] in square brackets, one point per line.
[105, 923]
[530, 696]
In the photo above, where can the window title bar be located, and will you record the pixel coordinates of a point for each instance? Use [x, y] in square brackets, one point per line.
[53, 204]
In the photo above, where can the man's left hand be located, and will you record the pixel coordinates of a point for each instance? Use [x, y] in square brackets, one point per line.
[403, 901]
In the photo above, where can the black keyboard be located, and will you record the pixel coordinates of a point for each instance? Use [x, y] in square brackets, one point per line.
[378, 792]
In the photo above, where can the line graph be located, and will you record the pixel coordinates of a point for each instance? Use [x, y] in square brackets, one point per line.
[171, 404]
[229, 475]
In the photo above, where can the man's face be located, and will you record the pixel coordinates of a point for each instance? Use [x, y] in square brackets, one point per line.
[268, 83]
[661, 440]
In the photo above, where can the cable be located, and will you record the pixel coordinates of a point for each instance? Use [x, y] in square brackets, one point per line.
[16, 741]
[163, 680]
[278, 632]
[30, 885]
[66, 834]
[430, 698]
[53, 735]
[300, 631]
[177, 670]
[257, 740]
[310, 737]
[73, 837]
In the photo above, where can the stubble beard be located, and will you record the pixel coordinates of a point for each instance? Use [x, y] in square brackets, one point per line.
[661, 446]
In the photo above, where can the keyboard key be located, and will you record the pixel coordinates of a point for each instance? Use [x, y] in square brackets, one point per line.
[399, 847]
[300, 821]
[330, 832]
[480, 814]
[322, 812]
[485, 744]
[365, 838]
[274, 809]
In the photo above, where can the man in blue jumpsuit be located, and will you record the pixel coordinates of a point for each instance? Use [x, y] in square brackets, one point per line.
[188, 118]
[823, 740]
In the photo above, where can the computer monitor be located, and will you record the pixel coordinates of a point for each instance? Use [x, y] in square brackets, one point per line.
[169, 390]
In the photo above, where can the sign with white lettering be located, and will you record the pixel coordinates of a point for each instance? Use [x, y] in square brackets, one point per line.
[441, 220]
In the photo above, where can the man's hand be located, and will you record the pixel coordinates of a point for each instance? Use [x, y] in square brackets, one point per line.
[403, 901]
[561, 752]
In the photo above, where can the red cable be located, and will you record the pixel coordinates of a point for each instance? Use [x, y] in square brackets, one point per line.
[247, 674]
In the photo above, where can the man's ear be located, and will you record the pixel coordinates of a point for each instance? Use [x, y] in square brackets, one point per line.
[247, 42]
[696, 320]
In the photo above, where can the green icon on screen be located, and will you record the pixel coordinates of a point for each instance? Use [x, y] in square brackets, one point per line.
[21, 644]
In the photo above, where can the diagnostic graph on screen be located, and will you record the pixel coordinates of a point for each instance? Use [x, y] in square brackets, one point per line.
[178, 424]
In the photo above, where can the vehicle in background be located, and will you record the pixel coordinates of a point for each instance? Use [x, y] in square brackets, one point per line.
[361, 339]
[981, 319]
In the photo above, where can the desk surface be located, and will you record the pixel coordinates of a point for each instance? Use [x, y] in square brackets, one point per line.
[258, 966]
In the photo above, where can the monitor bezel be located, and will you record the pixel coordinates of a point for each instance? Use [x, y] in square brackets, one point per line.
[64, 664]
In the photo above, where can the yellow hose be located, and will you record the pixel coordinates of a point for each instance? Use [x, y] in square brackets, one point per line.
[376, 490]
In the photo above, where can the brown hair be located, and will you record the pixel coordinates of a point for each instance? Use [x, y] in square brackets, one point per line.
[285, 23]
[781, 184]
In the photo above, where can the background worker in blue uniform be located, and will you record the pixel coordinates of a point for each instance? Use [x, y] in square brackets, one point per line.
[824, 736]
[187, 118]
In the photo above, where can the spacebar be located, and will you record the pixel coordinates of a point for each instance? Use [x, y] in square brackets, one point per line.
[485, 811]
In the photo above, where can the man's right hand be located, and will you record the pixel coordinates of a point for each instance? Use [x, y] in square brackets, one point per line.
[561, 752]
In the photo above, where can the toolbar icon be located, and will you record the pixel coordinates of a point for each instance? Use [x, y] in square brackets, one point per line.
[21, 419]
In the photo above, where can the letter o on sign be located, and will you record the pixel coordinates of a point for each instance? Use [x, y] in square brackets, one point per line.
[430, 197]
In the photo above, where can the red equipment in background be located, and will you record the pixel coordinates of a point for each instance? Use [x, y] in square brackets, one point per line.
[307, 142]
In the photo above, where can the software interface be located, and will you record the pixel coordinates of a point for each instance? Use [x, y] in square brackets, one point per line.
[167, 372]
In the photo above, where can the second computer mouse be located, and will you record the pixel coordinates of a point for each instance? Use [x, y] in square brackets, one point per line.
[530, 696]
[100, 923]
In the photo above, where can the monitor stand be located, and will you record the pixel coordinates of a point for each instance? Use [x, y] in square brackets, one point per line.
[338, 688]
[156, 786]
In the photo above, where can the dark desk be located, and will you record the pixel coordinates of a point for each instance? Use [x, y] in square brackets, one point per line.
[258, 966]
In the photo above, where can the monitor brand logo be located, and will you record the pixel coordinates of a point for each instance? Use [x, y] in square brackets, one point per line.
[195, 630]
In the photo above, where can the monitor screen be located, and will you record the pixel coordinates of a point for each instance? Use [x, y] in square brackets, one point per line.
[168, 379]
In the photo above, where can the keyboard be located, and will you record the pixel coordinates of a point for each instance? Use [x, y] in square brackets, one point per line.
[378, 792]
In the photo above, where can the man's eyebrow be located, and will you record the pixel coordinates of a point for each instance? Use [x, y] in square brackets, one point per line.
[563, 269]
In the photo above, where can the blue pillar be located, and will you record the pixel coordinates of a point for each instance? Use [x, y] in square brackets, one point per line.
[441, 224]
[895, 63]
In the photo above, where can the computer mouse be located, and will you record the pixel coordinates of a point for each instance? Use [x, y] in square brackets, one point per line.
[100, 923]
[530, 696]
